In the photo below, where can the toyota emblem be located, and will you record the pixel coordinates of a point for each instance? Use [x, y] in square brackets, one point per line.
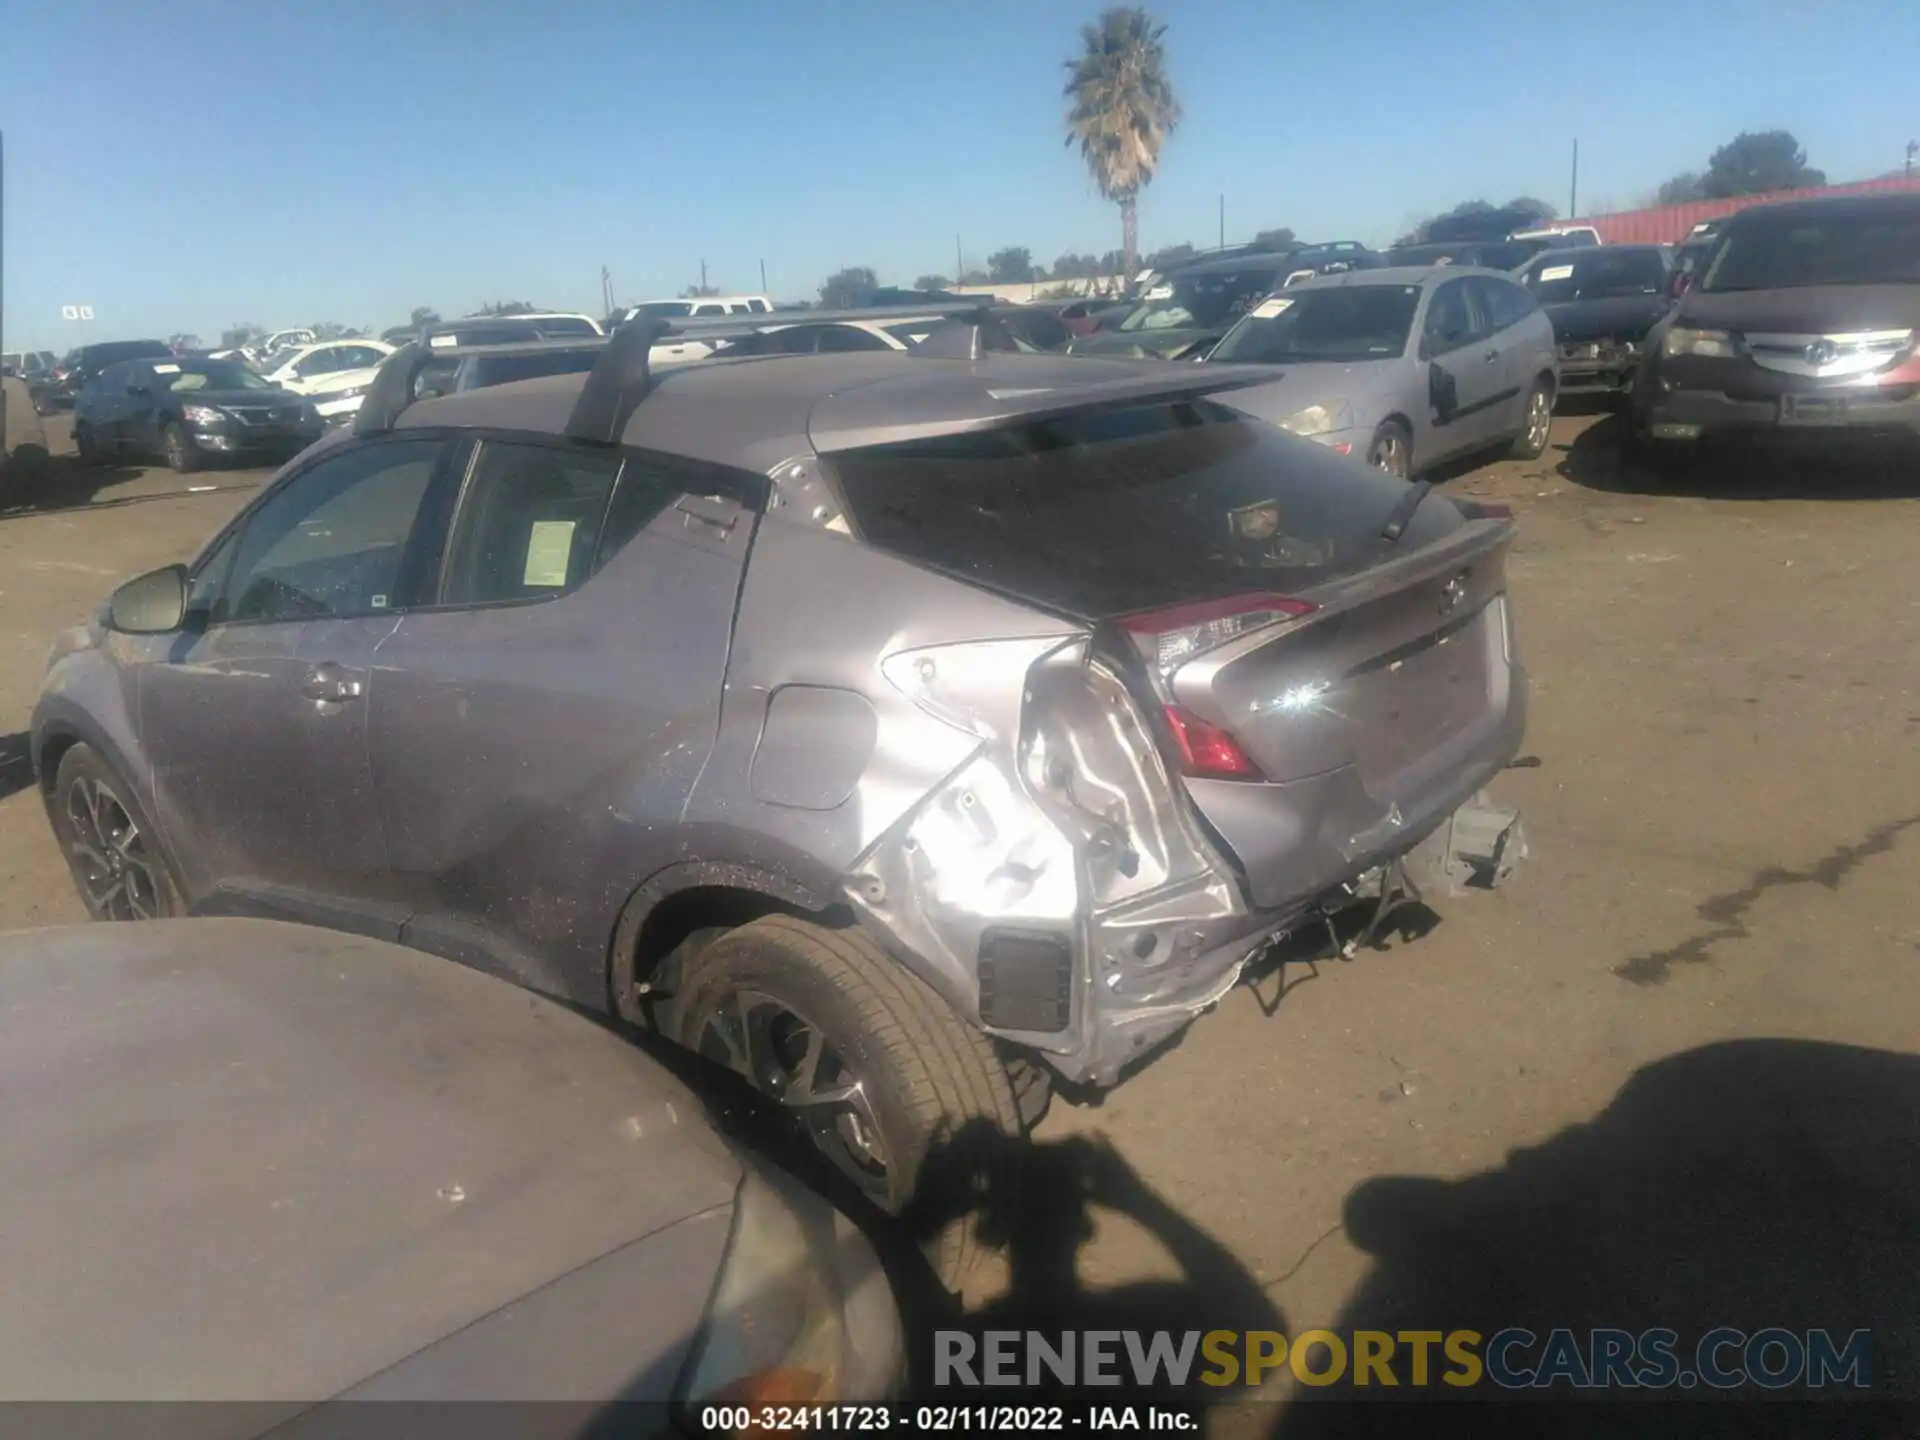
[1822, 352]
[1452, 593]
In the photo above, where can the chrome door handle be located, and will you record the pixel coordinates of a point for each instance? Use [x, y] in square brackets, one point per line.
[328, 681]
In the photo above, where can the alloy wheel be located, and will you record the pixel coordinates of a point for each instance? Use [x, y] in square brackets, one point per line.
[1389, 453]
[1539, 420]
[176, 444]
[117, 874]
[792, 1060]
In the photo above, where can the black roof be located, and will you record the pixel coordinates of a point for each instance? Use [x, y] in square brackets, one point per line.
[1828, 207]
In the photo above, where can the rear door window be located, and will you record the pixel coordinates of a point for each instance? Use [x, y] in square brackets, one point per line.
[1451, 321]
[1100, 515]
[1504, 304]
[528, 525]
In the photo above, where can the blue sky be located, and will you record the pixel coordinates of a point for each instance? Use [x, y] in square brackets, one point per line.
[183, 166]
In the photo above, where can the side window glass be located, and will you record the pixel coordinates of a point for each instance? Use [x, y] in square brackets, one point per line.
[1497, 303]
[332, 540]
[1449, 318]
[528, 525]
[209, 578]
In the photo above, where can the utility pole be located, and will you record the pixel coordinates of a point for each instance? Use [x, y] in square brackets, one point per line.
[763, 277]
[959, 265]
[606, 292]
[1573, 189]
[703, 277]
[1223, 222]
[1913, 148]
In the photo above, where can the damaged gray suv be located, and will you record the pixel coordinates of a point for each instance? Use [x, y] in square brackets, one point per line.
[899, 730]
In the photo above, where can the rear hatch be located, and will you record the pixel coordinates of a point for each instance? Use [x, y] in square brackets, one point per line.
[1325, 690]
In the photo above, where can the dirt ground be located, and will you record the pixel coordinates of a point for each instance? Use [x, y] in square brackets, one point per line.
[1725, 834]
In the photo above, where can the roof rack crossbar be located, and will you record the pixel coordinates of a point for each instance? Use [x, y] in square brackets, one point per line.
[618, 382]
[965, 337]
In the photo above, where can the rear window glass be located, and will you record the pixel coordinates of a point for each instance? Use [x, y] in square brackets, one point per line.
[1098, 515]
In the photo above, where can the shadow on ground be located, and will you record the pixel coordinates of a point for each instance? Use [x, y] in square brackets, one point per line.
[1765, 468]
[35, 485]
[1752, 1184]
[64, 482]
[16, 765]
[1034, 1204]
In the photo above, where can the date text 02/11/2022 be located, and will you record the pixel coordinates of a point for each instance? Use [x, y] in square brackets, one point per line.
[938, 1419]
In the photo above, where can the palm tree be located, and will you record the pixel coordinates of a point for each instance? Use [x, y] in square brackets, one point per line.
[1121, 109]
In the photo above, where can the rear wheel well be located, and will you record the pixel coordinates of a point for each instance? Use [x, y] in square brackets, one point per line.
[52, 751]
[649, 949]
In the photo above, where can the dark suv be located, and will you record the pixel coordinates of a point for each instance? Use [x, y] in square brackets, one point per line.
[84, 365]
[1803, 320]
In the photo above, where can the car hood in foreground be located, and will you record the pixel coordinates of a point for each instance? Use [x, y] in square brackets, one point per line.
[1613, 317]
[244, 1160]
[1804, 309]
[1149, 344]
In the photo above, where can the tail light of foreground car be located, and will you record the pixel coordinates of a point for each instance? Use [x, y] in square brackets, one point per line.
[802, 1313]
[1206, 752]
[1171, 637]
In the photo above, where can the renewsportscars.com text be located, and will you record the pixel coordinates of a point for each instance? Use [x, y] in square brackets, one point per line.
[1775, 1358]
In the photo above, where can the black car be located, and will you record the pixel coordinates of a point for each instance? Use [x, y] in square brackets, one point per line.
[190, 411]
[1184, 315]
[1602, 302]
[82, 366]
[1803, 321]
[1485, 254]
[1335, 257]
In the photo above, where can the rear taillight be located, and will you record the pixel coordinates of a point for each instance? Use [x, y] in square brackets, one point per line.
[1172, 636]
[1206, 752]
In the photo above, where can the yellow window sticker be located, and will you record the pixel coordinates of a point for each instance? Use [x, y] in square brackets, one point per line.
[549, 551]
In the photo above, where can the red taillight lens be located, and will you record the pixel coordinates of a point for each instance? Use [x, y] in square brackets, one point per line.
[1206, 751]
[1175, 634]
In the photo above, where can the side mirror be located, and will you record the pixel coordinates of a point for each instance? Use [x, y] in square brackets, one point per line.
[150, 604]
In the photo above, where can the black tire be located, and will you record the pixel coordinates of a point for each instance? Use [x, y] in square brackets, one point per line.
[931, 1094]
[86, 444]
[1391, 450]
[182, 457]
[112, 848]
[1536, 423]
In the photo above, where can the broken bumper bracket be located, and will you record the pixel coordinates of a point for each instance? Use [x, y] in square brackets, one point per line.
[1477, 847]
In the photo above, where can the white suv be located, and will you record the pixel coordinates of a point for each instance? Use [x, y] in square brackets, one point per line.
[336, 373]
